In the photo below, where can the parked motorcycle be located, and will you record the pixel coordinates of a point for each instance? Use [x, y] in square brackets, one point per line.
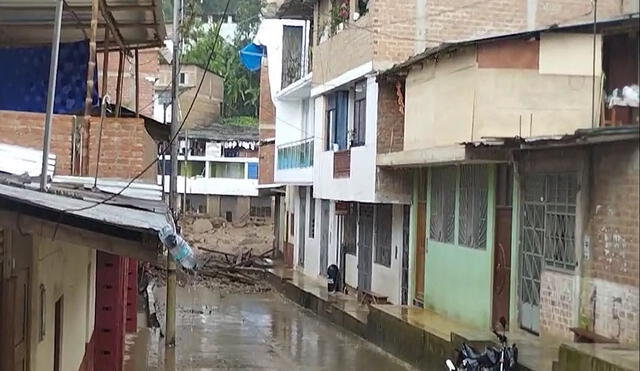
[503, 358]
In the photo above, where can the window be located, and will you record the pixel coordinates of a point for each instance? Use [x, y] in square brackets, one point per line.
[191, 169]
[292, 37]
[252, 171]
[443, 204]
[383, 220]
[234, 170]
[472, 226]
[312, 216]
[336, 120]
[260, 207]
[363, 7]
[360, 114]
[183, 78]
[560, 220]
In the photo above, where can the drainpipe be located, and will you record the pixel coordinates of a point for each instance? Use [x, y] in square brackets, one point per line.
[51, 92]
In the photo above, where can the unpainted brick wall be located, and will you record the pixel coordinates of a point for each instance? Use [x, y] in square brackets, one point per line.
[266, 160]
[390, 118]
[267, 111]
[149, 70]
[27, 129]
[126, 149]
[557, 304]
[394, 30]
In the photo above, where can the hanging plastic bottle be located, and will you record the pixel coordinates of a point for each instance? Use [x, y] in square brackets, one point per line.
[178, 247]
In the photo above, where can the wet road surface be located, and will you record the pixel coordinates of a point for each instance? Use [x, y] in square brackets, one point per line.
[251, 332]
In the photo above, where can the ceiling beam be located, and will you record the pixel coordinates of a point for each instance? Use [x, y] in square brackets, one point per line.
[113, 26]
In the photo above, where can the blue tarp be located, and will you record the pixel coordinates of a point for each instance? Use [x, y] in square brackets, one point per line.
[251, 56]
[24, 78]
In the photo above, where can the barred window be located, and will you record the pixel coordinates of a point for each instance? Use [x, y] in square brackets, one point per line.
[383, 219]
[443, 204]
[560, 220]
[472, 221]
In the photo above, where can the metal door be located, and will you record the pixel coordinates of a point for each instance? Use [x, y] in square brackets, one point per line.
[531, 251]
[302, 219]
[365, 238]
[404, 289]
[324, 237]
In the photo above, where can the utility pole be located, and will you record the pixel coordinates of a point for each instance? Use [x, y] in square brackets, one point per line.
[51, 92]
[170, 339]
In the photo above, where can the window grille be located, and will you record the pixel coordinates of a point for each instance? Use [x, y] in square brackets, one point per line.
[443, 203]
[383, 220]
[472, 226]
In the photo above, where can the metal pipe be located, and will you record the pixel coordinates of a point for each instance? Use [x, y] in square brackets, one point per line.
[103, 113]
[51, 93]
[170, 326]
[186, 162]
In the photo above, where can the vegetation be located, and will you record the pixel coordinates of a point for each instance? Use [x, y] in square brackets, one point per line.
[241, 86]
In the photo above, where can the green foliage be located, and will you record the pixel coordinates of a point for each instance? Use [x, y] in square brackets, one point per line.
[241, 86]
[249, 121]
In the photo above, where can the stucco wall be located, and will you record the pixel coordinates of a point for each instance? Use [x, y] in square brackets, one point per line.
[66, 271]
[472, 102]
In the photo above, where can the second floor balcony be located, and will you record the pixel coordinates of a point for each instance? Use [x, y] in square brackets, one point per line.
[295, 155]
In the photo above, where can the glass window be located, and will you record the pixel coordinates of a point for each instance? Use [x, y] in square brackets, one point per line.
[233, 170]
[443, 204]
[360, 114]
[191, 169]
[252, 170]
[472, 226]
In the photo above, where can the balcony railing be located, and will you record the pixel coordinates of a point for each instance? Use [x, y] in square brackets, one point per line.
[295, 155]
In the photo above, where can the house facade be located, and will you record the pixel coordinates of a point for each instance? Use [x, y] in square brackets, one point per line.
[505, 195]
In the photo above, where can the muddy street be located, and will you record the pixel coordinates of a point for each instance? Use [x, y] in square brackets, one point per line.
[250, 332]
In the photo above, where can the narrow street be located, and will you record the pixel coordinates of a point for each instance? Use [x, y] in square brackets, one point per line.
[251, 332]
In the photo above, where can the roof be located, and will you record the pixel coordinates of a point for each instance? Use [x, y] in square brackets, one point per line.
[580, 137]
[227, 132]
[139, 23]
[296, 9]
[46, 204]
[631, 19]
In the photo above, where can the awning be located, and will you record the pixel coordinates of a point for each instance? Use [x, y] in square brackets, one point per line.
[137, 23]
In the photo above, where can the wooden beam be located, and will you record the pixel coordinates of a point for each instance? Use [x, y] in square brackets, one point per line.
[137, 83]
[144, 250]
[80, 25]
[105, 64]
[119, 83]
[112, 24]
[91, 68]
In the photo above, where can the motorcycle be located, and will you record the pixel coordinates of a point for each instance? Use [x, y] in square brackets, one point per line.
[503, 358]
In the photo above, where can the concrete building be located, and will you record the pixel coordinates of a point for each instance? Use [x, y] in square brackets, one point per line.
[219, 168]
[501, 137]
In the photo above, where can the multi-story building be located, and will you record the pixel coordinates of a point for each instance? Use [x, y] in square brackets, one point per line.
[517, 183]
[218, 168]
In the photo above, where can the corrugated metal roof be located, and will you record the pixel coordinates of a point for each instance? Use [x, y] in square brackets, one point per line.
[123, 217]
[18, 160]
[227, 132]
[30, 22]
[140, 190]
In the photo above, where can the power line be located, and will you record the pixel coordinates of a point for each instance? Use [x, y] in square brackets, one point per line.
[172, 139]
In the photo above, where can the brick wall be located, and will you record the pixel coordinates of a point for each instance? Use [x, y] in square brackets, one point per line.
[557, 304]
[266, 111]
[610, 263]
[27, 129]
[149, 71]
[390, 119]
[394, 26]
[266, 160]
[126, 149]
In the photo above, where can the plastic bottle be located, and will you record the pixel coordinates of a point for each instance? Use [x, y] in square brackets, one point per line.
[178, 247]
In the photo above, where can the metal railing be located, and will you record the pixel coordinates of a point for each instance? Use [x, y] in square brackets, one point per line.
[295, 155]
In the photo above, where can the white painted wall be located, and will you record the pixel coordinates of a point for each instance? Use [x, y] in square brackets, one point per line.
[360, 186]
[66, 271]
[351, 270]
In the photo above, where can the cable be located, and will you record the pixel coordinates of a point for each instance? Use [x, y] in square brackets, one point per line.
[215, 43]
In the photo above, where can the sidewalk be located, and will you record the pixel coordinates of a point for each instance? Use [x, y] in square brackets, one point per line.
[426, 339]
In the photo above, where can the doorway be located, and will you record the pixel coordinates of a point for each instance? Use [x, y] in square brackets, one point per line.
[421, 238]
[502, 247]
[404, 288]
[324, 237]
[365, 239]
[302, 193]
[57, 333]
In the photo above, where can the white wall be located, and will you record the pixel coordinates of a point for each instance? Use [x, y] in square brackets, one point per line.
[292, 124]
[215, 186]
[360, 186]
[351, 270]
[66, 271]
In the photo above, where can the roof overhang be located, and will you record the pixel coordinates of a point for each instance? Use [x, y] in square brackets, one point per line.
[137, 23]
[296, 9]
[298, 90]
[444, 155]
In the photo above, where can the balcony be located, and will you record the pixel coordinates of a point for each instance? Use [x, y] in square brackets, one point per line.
[296, 155]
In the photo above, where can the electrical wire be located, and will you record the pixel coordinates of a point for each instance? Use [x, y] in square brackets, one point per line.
[211, 54]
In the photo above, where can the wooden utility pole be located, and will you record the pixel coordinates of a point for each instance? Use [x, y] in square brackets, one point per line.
[170, 340]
